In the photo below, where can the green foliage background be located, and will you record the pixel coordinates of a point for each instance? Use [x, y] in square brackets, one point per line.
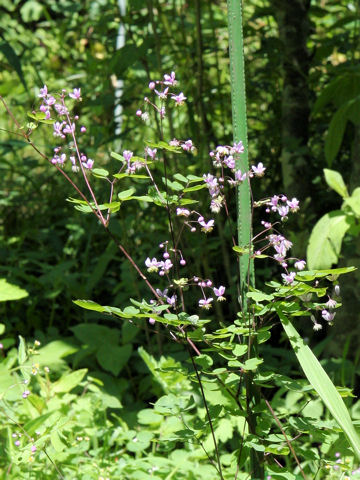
[57, 254]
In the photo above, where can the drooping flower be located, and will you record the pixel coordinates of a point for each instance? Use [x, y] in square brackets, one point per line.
[170, 79]
[150, 152]
[258, 170]
[43, 92]
[300, 264]
[182, 212]
[179, 99]
[76, 94]
[207, 227]
[205, 303]
[288, 277]
[152, 265]
[329, 317]
[219, 292]
[293, 205]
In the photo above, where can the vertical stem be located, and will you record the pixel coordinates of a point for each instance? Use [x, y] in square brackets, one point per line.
[244, 213]
[238, 102]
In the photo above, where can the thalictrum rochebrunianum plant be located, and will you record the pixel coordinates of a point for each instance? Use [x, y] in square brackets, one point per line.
[299, 294]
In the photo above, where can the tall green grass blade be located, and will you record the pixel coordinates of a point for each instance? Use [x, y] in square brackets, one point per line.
[321, 383]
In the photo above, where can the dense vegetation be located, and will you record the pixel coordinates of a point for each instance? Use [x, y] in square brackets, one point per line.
[112, 395]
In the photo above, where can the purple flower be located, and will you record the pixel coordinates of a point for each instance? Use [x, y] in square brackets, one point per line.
[152, 321]
[230, 162]
[17, 443]
[152, 85]
[163, 95]
[165, 266]
[57, 129]
[258, 170]
[171, 300]
[151, 153]
[43, 92]
[152, 265]
[33, 449]
[170, 79]
[69, 128]
[206, 226]
[239, 177]
[174, 142]
[26, 394]
[329, 317]
[300, 264]
[188, 146]
[238, 147]
[283, 211]
[127, 154]
[182, 212]
[288, 277]
[219, 292]
[179, 99]
[61, 109]
[293, 204]
[88, 164]
[331, 303]
[205, 303]
[76, 95]
[83, 129]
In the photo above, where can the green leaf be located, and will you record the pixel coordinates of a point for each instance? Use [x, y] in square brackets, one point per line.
[100, 173]
[194, 188]
[321, 383]
[56, 442]
[336, 182]
[68, 381]
[126, 194]
[353, 202]
[130, 175]
[22, 356]
[2, 328]
[10, 292]
[164, 146]
[252, 363]
[96, 335]
[326, 239]
[335, 134]
[113, 358]
[13, 60]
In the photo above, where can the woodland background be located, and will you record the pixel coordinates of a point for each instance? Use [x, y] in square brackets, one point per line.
[302, 73]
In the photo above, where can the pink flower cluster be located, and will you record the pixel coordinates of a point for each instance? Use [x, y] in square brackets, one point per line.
[162, 90]
[64, 126]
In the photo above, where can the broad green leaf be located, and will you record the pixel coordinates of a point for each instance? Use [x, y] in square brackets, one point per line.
[310, 275]
[126, 194]
[90, 305]
[336, 182]
[260, 296]
[34, 424]
[10, 292]
[100, 172]
[68, 381]
[56, 442]
[326, 239]
[335, 134]
[321, 383]
[353, 202]
[252, 363]
[117, 156]
[113, 358]
[95, 335]
[2, 328]
[194, 188]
